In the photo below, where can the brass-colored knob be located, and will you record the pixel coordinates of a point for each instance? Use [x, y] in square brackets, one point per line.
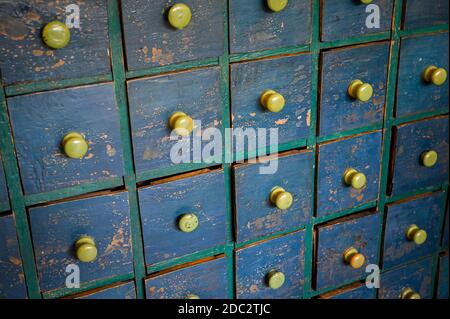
[181, 123]
[355, 259]
[361, 91]
[415, 234]
[280, 198]
[355, 179]
[75, 145]
[85, 249]
[408, 293]
[435, 75]
[275, 279]
[429, 158]
[272, 101]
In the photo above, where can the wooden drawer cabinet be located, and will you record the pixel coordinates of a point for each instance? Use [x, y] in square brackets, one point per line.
[420, 14]
[121, 291]
[442, 288]
[3, 188]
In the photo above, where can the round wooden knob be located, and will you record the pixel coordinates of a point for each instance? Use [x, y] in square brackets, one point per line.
[355, 179]
[74, 145]
[56, 35]
[179, 16]
[355, 259]
[188, 223]
[415, 234]
[192, 296]
[435, 75]
[408, 293]
[85, 249]
[280, 198]
[277, 5]
[272, 101]
[181, 123]
[275, 279]
[361, 91]
[429, 158]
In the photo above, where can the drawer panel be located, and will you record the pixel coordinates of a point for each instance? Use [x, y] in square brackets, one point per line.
[22, 22]
[442, 292]
[361, 153]
[121, 291]
[254, 26]
[256, 215]
[338, 110]
[414, 94]
[354, 292]
[335, 238]
[43, 164]
[207, 280]
[166, 207]
[151, 41]
[419, 13]
[57, 228]
[3, 188]
[411, 141]
[255, 263]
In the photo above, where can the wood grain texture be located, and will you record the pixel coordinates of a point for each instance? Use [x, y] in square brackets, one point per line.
[55, 228]
[3, 187]
[338, 110]
[358, 292]
[121, 291]
[442, 284]
[419, 13]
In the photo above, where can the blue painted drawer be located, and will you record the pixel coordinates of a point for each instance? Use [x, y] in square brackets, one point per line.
[256, 215]
[253, 26]
[3, 187]
[26, 58]
[122, 291]
[417, 277]
[290, 77]
[153, 100]
[151, 41]
[163, 206]
[359, 291]
[362, 153]
[411, 141]
[333, 240]
[426, 213]
[206, 280]
[343, 19]
[419, 13]
[256, 262]
[442, 290]
[12, 280]
[91, 111]
[414, 95]
[56, 228]
[338, 110]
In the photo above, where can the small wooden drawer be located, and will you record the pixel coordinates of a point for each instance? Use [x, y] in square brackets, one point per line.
[408, 281]
[338, 159]
[121, 291]
[26, 57]
[91, 233]
[415, 144]
[154, 100]
[12, 280]
[415, 93]
[340, 111]
[344, 248]
[442, 285]
[342, 19]
[355, 291]
[419, 13]
[183, 215]
[153, 39]
[3, 187]
[412, 229]
[256, 214]
[255, 26]
[290, 79]
[205, 280]
[262, 267]
[41, 121]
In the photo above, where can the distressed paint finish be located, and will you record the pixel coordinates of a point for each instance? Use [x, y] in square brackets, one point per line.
[419, 13]
[253, 26]
[208, 280]
[12, 280]
[355, 292]
[289, 76]
[414, 95]
[25, 58]
[3, 188]
[153, 100]
[362, 153]
[256, 216]
[442, 290]
[121, 291]
[426, 213]
[41, 120]
[55, 228]
[334, 238]
[338, 110]
[411, 140]
[150, 40]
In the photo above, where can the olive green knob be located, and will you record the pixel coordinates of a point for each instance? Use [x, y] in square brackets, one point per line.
[192, 296]
[355, 179]
[74, 145]
[181, 123]
[280, 198]
[435, 75]
[277, 5]
[355, 259]
[179, 16]
[188, 223]
[275, 279]
[56, 35]
[415, 234]
[85, 249]
[361, 91]
[429, 158]
[272, 101]
[408, 293]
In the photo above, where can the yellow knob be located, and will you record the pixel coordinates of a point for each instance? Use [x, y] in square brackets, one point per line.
[192, 296]
[181, 123]
[179, 16]
[429, 158]
[366, 1]
[272, 101]
[361, 91]
[188, 223]
[56, 35]
[85, 249]
[275, 279]
[277, 5]
[355, 259]
[435, 75]
[415, 234]
[74, 145]
[355, 179]
[408, 293]
[280, 198]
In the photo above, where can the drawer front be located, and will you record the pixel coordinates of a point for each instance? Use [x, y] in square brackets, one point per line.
[421, 13]
[121, 291]
[426, 214]
[166, 207]
[256, 215]
[57, 228]
[414, 94]
[343, 19]
[290, 77]
[12, 279]
[361, 153]
[359, 292]
[417, 277]
[338, 110]
[254, 26]
[442, 292]
[207, 280]
[152, 102]
[43, 164]
[3, 188]
[333, 240]
[255, 263]
[150, 40]
[21, 25]
[412, 140]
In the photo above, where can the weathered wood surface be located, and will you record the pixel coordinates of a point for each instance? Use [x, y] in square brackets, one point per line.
[419, 13]
[442, 290]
